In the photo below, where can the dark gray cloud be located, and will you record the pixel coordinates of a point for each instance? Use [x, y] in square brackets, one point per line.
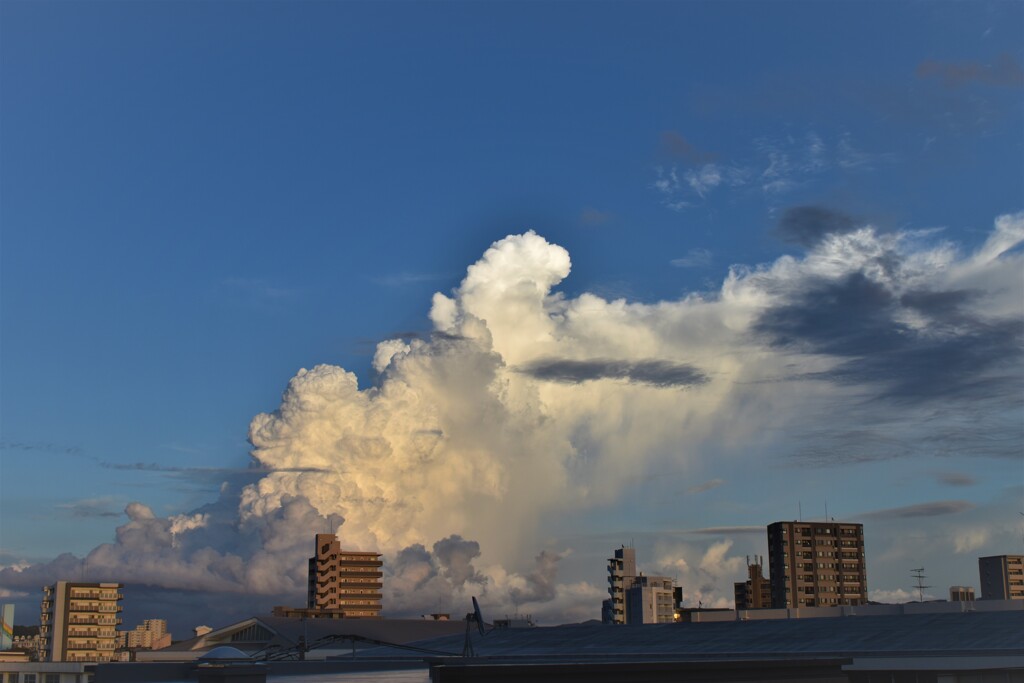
[202, 471]
[456, 555]
[706, 486]
[955, 478]
[1004, 72]
[857, 320]
[676, 146]
[934, 509]
[540, 583]
[727, 530]
[808, 225]
[657, 373]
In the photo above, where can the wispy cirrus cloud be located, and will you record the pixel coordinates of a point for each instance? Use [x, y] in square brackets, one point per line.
[676, 146]
[954, 478]
[706, 486]
[773, 166]
[591, 216]
[695, 258]
[105, 506]
[405, 279]
[1004, 72]
[39, 447]
[726, 530]
[933, 509]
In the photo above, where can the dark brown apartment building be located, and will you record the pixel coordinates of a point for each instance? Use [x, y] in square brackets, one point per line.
[344, 583]
[756, 591]
[817, 564]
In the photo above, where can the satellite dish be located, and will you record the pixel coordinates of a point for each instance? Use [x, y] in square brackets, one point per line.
[477, 616]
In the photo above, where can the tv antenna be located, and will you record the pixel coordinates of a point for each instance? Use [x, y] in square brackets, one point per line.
[919, 575]
[475, 615]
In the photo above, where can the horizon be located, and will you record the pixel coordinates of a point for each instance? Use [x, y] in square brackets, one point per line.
[493, 288]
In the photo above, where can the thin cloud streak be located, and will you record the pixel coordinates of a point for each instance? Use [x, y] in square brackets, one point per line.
[934, 509]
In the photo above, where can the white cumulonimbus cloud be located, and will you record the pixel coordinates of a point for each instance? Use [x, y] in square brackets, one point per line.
[522, 404]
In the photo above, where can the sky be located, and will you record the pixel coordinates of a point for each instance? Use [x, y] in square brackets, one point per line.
[494, 288]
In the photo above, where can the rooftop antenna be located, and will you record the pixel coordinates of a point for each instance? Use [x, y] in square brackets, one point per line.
[826, 509]
[919, 575]
[800, 510]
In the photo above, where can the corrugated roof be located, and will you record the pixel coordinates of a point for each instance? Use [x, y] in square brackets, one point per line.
[912, 634]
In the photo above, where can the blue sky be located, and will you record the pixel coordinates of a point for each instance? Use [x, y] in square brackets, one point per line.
[199, 199]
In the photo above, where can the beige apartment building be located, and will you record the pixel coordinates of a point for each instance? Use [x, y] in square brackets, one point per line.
[78, 621]
[151, 634]
[343, 583]
[1002, 577]
[817, 564]
[649, 600]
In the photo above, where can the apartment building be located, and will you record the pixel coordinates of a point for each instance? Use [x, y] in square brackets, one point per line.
[756, 591]
[621, 573]
[151, 634]
[78, 621]
[817, 564]
[961, 594]
[343, 583]
[1002, 577]
[649, 600]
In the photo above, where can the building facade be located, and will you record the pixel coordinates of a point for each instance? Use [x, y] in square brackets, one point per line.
[961, 594]
[621, 573]
[1002, 577]
[151, 634]
[817, 564]
[78, 621]
[344, 583]
[756, 591]
[649, 600]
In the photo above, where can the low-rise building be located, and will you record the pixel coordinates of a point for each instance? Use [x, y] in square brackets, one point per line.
[961, 594]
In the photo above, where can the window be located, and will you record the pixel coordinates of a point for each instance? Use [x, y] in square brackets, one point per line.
[28, 678]
[52, 678]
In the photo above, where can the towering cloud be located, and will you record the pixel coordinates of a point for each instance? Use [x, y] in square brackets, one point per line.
[523, 404]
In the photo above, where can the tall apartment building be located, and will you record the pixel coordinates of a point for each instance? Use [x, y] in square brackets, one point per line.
[756, 591]
[649, 600]
[343, 583]
[1002, 577]
[621, 574]
[78, 621]
[817, 564]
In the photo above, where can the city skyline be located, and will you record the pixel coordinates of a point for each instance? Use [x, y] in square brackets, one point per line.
[535, 280]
